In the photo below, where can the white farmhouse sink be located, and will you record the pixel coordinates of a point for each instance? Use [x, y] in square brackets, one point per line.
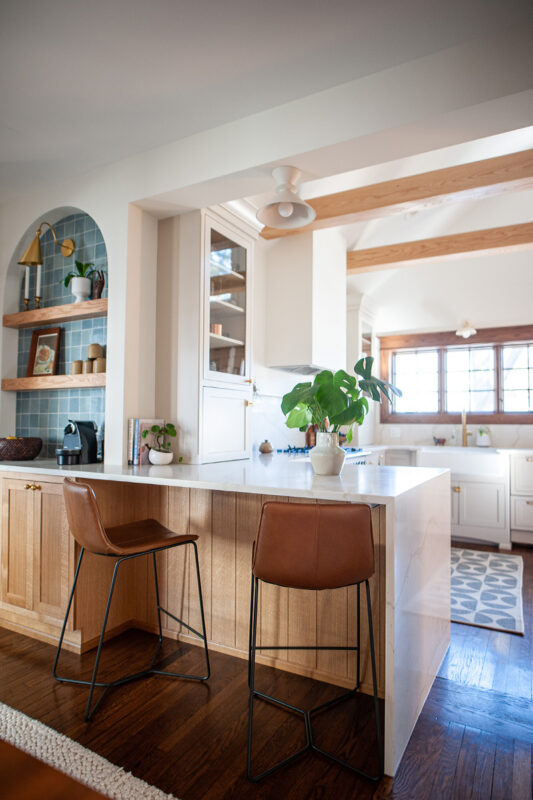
[465, 460]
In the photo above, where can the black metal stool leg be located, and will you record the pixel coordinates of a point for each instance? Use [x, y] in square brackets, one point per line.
[88, 712]
[374, 683]
[330, 703]
[69, 604]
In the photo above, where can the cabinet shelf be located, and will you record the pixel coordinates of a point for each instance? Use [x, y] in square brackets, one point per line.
[216, 341]
[228, 283]
[69, 312]
[90, 380]
[223, 308]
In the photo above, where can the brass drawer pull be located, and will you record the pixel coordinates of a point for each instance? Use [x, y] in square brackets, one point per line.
[456, 488]
[248, 403]
[27, 485]
[34, 486]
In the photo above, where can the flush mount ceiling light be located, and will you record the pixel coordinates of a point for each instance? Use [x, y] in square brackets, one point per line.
[286, 209]
[33, 256]
[466, 330]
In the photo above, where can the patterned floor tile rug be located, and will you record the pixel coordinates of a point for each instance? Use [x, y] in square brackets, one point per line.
[487, 590]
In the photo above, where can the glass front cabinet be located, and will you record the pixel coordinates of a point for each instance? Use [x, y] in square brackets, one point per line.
[227, 323]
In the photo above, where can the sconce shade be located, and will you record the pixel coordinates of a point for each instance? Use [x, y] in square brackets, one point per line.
[33, 255]
[286, 209]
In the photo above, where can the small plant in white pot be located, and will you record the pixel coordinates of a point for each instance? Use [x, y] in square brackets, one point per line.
[160, 452]
[80, 280]
[332, 401]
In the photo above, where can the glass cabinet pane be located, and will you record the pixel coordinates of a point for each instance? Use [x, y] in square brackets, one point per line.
[227, 305]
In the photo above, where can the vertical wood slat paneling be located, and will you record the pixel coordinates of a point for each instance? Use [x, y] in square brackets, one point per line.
[223, 552]
[17, 544]
[248, 512]
[174, 571]
[200, 524]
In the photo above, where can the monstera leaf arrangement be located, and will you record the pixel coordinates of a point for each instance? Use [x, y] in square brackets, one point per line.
[336, 399]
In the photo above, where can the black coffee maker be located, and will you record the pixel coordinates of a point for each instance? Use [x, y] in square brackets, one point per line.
[79, 443]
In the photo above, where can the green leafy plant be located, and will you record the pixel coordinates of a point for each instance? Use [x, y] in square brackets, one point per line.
[336, 399]
[159, 434]
[83, 271]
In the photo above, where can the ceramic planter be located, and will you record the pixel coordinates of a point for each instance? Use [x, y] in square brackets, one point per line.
[159, 457]
[327, 457]
[81, 288]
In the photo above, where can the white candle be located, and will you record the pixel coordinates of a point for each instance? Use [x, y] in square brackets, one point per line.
[38, 284]
[27, 284]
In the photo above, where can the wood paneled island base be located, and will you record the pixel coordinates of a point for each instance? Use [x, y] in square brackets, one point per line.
[409, 588]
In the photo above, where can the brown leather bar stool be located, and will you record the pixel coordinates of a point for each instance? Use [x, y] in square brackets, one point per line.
[122, 542]
[311, 546]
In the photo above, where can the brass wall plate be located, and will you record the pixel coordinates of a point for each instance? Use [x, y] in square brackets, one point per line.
[67, 248]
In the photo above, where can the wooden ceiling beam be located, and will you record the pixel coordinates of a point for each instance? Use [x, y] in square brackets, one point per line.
[491, 176]
[505, 239]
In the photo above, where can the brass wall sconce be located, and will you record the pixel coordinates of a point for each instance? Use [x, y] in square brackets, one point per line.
[33, 257]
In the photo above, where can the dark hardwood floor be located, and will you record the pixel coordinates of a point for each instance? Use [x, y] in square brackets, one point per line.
[474, 737]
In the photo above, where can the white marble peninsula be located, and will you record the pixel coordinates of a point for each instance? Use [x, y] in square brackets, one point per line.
[222, 502]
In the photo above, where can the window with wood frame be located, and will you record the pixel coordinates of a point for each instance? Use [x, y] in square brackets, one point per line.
[490, 376]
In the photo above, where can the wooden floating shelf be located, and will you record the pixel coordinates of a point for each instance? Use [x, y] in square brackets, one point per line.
[70, 312]
[90, 380]
[216, 341]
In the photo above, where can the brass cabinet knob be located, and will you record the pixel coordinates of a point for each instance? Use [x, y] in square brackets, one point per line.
[456, 488]
[34, 486]
[249, 380]
[27, 485]
[248, 403]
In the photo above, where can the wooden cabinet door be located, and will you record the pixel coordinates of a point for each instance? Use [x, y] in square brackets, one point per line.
[17, 543]
[52, 555]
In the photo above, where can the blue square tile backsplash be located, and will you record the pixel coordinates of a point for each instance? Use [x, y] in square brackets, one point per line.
[45, 413]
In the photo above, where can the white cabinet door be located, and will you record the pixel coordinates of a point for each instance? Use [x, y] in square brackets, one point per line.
[225, 429]
[522, 474]
[482, 504]
[522, 513]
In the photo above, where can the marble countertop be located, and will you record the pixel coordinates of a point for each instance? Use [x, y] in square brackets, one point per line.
[266, 474]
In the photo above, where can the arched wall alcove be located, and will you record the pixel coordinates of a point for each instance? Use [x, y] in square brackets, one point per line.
[45, 413]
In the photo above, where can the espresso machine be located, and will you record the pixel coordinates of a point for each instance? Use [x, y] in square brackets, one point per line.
[80, 444]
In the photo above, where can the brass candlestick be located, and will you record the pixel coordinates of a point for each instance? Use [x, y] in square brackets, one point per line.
[26, 304]
[37, 302]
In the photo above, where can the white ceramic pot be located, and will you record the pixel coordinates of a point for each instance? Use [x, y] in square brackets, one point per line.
[159, 457]
[81, 288]
[327, 457]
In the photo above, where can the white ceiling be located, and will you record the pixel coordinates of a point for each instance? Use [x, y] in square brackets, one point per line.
[86, 83]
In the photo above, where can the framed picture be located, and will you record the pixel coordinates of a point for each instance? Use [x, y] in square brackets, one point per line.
[44, 352]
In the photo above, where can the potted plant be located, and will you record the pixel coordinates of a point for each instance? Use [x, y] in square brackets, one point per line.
[332, 401]
[160, 452]
[483, 437]
[81, 281]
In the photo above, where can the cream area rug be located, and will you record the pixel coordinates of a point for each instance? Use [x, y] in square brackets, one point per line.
[73, 759]
[486, 590]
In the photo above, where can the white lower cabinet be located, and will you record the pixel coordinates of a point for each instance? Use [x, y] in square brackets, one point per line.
[480, 510]
[226, 428]
[522, 498]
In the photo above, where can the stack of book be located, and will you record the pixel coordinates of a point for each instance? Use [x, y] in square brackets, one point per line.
[139, 445]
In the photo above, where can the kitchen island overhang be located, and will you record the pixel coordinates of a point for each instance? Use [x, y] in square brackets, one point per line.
[222, 503]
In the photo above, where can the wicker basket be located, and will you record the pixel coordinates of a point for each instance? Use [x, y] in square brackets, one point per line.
[23, 448]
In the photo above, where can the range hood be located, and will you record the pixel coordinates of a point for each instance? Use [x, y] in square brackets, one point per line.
[306, 303]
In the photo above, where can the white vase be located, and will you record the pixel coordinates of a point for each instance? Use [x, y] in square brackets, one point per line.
[327, 457]
[159, 457]
[81, 288]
